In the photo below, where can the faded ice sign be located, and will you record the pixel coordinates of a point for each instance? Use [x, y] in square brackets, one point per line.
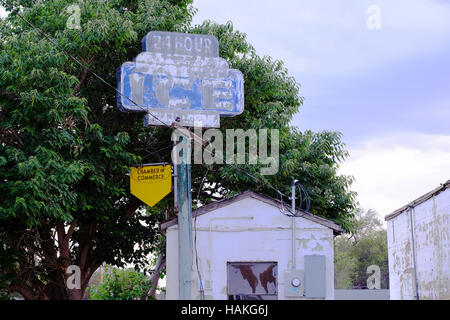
[180, 76]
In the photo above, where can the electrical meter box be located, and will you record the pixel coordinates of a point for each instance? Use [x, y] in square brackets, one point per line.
[294, 283]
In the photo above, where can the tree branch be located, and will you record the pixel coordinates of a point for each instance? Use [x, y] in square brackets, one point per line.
[84, 251]
[23, 289]
[131, 209]
[72, 227]
[84, 73]
[160, 265]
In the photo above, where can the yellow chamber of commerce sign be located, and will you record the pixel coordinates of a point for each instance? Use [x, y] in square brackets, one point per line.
[151, 184]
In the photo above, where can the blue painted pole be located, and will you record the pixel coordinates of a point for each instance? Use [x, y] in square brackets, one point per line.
[184, 198]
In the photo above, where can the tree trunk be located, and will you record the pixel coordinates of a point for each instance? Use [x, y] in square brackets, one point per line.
[160, 265]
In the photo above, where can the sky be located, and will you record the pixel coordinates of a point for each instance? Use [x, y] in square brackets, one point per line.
[377, 71]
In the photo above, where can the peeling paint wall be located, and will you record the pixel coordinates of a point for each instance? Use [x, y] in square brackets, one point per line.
[432, 248]
[248, 231]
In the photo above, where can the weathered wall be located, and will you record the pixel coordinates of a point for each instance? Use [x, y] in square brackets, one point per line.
[248, 231]
[432, 246]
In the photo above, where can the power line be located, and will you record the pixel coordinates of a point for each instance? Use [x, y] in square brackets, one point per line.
[159, 150]
[278, 192]
[16, 11]
[291, 213]
[202, 290]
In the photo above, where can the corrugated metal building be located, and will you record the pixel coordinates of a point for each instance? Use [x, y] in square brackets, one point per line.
[419, 247]
[244, 252]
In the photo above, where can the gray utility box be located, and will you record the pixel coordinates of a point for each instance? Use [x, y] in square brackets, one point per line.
[315, 276]
[294, 281]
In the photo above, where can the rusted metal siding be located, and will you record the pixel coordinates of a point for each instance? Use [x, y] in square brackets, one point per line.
[256, 280]
[430, 227]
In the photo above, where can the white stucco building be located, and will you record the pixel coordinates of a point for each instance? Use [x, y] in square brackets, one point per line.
[419, 247]
[245, 251]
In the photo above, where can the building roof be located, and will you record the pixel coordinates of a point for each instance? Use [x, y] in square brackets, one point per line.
[418, 201]
[250, 194]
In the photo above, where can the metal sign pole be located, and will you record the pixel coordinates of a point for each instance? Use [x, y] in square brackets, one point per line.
[184, 198]
[190, 82]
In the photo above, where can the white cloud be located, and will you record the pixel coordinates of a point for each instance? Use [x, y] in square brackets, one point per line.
[392, 171]
[321, 38]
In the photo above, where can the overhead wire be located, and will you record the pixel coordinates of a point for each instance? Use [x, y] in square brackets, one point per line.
[291, 213]
[16, 11]
[307, 199]
[202, 290]
[159, 150]
[278, 192]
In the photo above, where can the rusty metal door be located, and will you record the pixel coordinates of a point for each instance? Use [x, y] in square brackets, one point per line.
[252, 280]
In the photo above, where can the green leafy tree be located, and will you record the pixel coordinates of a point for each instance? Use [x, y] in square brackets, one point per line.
[345, 263]
[65, 148]
[365, 246]
[121, 284]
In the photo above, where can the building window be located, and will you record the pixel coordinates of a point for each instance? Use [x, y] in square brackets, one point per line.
[252, 280]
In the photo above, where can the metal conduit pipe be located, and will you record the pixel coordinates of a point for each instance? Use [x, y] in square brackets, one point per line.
[294, 182]
[414, 251]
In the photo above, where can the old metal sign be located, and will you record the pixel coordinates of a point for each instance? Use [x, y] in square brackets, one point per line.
[252, 280]
[151, 183]
[181, 77]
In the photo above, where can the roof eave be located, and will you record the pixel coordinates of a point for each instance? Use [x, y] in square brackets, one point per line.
[418, 201]
[222, 203]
